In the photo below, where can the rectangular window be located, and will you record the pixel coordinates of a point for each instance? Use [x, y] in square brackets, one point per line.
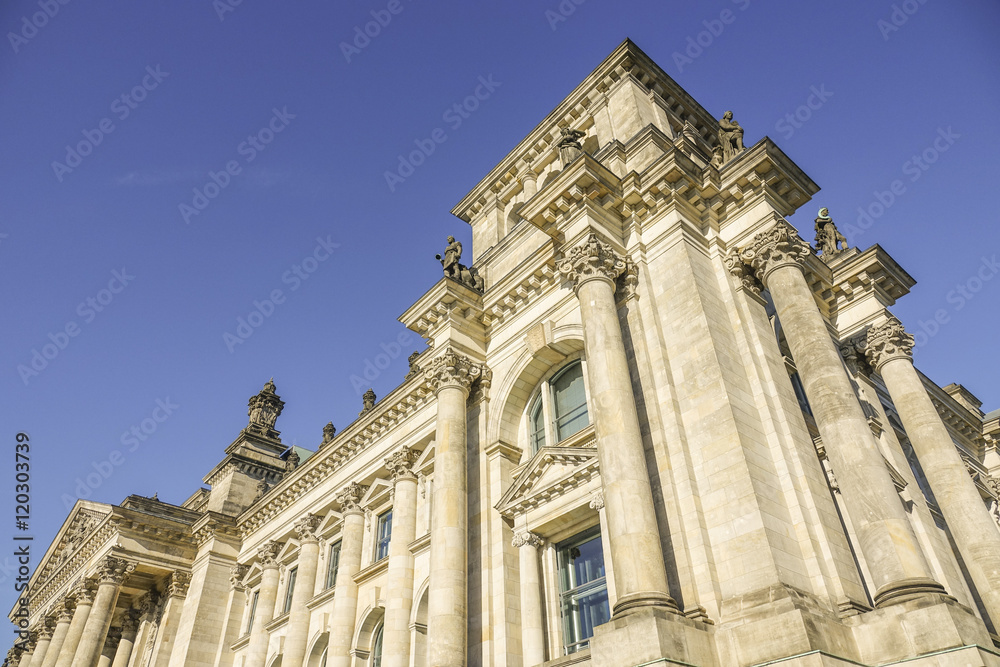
[384, 533]
[334, 563]
[290, 590]
[253, 610]
[570, 401]
[583, 588]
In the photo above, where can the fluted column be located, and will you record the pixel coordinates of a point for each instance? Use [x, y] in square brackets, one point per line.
[110, 648]
[112, 573]
[636, 553]
[264, 614]
[83, 593]
[451, 376]
[885, 536]
[890, 351]
[305, 584]
[45, 633]
[532, 631]
[64, 616]
[345, 595]
[399, 588]
[130, 626]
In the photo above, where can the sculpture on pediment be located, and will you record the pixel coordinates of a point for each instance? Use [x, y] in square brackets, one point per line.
[262, 489]
[730, 137]
[569, 144]
[455, 270]
[368, 401]
[263, 410]
[414, 368]
[292, 461]
[328, 432]
[828, 238]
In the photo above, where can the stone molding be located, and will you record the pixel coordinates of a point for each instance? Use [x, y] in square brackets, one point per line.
[592, 260]
[114, 570]
[267, 554]
[350, 498]
[888, 341]
[774, 248]
[400, 464]
[177, 587]
[306, 527]
[527, 538]
[452, 369]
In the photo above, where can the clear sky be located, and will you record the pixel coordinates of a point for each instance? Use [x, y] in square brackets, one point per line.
[274, 128]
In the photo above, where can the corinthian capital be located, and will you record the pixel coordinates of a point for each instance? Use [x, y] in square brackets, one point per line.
[742, 272]
[350, 497]
[592, 259]
[306, 527]
[452, 369]
[177, 587]
[83, 592]
[268, 553]
[772, 249]
[888, 341]
[114, 570]
[401, 463]
[526, 538]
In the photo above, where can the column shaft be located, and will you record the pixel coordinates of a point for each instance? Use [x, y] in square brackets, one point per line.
[40, 650]
[345, 597]
[532, 630]
[74, 633]
[305, 584]
[263, 614]
[96, 629]
[125, 648]
[399, 588]
[58, 639]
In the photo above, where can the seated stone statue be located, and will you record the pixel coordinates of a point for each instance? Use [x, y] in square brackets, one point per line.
[828, 237]
[730, 137]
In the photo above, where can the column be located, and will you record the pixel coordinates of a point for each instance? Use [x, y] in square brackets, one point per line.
[110, 648]
[885, 536]
[83, 592]
[264, 614]
[532, 631]
[345, 595]
[399, 587]
[636, 556]
[305, 585]
[45, 632]
[64, 615]
[130, 626]
[29, 650]
[224, 657]
[451, 376]
[890, 351]
[111, 573]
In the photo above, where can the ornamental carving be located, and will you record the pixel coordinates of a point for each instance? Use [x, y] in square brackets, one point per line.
[772, 249]
[65, 612]
[178, 584]
[527, 538]
[148, 604]
[597, 502]
[400, 464]
[592, 259]
[268, 553]
[367, 402]
[130, 623]
[742, 273]
[305, 528]
[350, 496]
[888, 341]
[46, 630]
[414, 366]
[264, 409]
[114, 570]
[112, 640]
[236, 576]
[83, 592]
[452, 369]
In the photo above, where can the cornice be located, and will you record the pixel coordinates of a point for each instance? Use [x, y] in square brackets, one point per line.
[447, 303]
[522, 496]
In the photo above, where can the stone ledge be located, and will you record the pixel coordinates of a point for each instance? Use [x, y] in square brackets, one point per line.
[652, 635]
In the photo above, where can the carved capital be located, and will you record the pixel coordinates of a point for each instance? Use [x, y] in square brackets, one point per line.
[236, 576]
[64, 614]
[592, 259]
[114, 570]
[177, 587]
[746, 277]
[83, 592]
[305, 528]
[147, 604]
[130, 622]
[527, 538]
[401, 463]
[112, 640]
[772, 249]
[452, 369]
[886, 342]
[268, 553]
[45, 631]
[350, 497]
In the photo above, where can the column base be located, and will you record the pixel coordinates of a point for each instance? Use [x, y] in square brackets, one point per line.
[907, 589]
[648, 634]
[628, 604]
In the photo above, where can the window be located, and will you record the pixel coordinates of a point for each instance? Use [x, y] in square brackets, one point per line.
[290, 590]
[384, 533]
[560, 408]
[333, 564]
[377, 648]
[583, 588]
[253, 610]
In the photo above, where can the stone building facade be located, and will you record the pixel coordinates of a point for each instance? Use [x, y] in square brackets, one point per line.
[652, 426]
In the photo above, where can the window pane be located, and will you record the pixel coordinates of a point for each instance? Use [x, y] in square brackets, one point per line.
[570, 401]
[377, 649]
[331, 568]
[384, 534]
[537, 426]
[583, 588]
[253, 610]
[291, 588]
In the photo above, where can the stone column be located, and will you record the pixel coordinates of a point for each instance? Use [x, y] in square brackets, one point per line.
[532, 630]
[451, 377]
[399, 587]
[130, 626]
[224, 657]
[110, 648]
[45, 633]
[885, 536]
[345, 595]
[29, 651]
[636, 554]
[264, 613]
[112, 573]
[890, 351]
[83, 593]
[64, 615]
[305, 584]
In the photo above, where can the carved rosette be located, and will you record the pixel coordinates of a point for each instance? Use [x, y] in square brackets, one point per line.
[236, 576]
[114, 570]
[305, 528]
[83, 592]
[268, 553]
[350, 497]
[772, 249]
[742, 273]
[452, 369]
[527, 538]
[400, 464]
[177, 587]
[886, 342]
[592, 260]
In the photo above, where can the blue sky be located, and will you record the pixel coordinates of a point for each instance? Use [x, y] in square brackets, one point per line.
[99, 259]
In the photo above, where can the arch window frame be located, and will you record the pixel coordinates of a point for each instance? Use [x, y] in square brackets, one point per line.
[543, 425]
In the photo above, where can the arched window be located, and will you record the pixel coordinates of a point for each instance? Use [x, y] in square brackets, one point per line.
[559, 410]
[377, 648]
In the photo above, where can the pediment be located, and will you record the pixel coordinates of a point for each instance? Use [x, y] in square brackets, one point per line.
[551, 472]
[79, 527]
[378, 491]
